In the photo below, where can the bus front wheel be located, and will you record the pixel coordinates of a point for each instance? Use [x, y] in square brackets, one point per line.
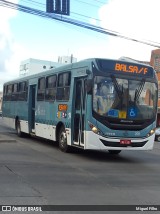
[62, 140]
[114, 152]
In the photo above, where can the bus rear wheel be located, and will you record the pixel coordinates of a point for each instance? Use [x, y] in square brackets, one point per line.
[18, 129]
[62, 140]
[114, 152]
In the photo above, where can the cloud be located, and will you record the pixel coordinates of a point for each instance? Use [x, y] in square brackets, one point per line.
[134, 18]
[5, 52]
[7, 44]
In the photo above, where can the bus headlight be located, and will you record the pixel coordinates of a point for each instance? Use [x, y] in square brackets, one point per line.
[151, 132]
[94, 129]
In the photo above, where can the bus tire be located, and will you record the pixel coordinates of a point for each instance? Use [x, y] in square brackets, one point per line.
[114, 152]
[18, 129]
[158, 138]
[62, 140]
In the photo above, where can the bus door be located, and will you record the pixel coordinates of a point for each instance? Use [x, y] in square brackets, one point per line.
[31, 108]
[79, 105]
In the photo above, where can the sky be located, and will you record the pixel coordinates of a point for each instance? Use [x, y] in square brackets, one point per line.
[24, 36]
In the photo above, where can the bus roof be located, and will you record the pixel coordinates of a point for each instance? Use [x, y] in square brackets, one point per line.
[82, 63]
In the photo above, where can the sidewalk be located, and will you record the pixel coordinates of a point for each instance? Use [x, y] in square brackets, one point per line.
[6, 133]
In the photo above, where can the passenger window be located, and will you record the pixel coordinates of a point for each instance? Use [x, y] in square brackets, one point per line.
[23, 91]
[63, 88]
[5, 93]
[9, 89]
[15, 92]
[9, 92]
[51, 88]
[41, 89]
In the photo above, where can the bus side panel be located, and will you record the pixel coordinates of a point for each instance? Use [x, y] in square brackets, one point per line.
[44, 126]
[24, 126]
[21, 112]
[45, 131]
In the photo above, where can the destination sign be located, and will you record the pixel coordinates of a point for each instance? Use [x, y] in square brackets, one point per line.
[131, 68]
[125, 67]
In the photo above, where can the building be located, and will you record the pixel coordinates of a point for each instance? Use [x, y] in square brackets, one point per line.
[133, 60]
[155, 60]
[32, 66]
[67, 59]
[1, 94]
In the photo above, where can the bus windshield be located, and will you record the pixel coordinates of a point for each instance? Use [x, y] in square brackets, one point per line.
[124, 98]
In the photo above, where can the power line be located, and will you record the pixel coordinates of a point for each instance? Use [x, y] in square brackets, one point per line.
[87, 16]
[73, 22]
[100, 1]
[35, 2]
[93, 5]
[74, 13]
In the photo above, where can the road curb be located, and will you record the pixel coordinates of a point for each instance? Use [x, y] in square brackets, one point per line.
[7, 141]
[4, 138]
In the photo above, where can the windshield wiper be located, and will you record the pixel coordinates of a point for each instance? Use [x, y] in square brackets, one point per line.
[139, 90]
[118, 90]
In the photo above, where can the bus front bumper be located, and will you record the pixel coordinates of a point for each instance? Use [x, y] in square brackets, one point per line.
[97, 142]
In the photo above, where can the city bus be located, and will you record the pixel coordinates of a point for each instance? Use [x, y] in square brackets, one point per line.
[93, 104]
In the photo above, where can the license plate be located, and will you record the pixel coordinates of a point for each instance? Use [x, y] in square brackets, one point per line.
[125, 142]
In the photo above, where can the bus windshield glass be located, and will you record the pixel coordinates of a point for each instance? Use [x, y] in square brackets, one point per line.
[124, 98]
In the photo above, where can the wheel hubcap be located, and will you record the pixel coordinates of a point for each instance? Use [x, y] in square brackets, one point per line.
[63, 140]
[18, 129]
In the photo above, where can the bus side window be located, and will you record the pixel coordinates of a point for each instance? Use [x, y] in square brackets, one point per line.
[63, 88]
[50, 88]
[4, 92]
[78, 95]
[9, 92]
[41, 89]
[22, 91]
[15, 92]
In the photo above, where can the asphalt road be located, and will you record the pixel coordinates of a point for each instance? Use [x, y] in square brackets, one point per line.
[35, 172]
